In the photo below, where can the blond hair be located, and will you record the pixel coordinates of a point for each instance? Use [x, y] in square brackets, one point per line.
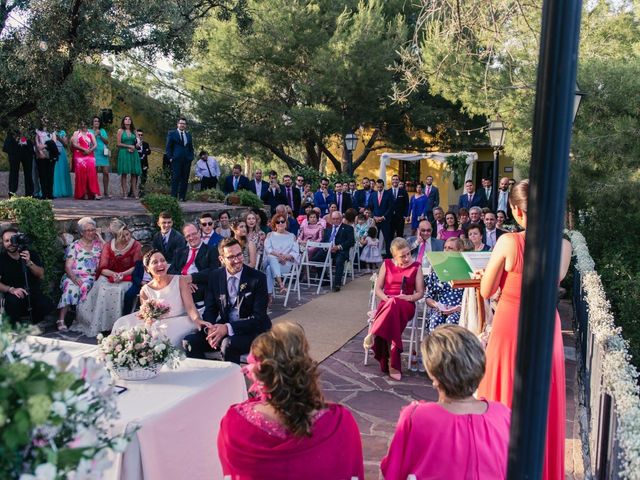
[398, 244]
[454, 357]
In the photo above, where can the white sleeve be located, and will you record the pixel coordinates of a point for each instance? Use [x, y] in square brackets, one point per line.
[215, 171]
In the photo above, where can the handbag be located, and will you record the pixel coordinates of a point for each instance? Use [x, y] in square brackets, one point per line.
[105, 151]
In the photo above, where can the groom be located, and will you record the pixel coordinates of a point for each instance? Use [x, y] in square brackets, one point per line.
[235, 307]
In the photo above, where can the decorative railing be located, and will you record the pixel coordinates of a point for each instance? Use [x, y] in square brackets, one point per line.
[608, 381]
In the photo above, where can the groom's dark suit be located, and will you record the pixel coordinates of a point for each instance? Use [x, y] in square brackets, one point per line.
[252, 316]
[179, 151]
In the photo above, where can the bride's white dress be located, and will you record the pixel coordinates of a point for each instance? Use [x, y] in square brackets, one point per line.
[176, 324]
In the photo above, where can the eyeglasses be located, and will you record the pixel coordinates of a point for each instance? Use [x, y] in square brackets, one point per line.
[232, 258]
[280, 221]
[206, 224]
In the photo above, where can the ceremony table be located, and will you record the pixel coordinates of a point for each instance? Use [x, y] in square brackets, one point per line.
[177, 415]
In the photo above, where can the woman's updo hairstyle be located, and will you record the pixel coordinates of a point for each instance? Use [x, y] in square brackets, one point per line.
[146, 259]
[289, 376]
[519, 195]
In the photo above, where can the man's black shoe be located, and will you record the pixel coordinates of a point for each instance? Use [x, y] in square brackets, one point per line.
[336, 289]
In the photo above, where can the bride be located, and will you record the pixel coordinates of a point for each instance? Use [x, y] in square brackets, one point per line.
[183, 317]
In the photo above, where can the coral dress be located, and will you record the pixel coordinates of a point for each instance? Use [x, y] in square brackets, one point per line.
[497, 383]
[85, 168]
[392, 316]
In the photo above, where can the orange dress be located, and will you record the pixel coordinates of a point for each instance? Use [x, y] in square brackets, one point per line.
[497, 383]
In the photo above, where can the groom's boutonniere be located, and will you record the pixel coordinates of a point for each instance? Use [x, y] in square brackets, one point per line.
[243, 286]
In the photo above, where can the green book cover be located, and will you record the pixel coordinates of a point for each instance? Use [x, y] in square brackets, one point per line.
[449, 266]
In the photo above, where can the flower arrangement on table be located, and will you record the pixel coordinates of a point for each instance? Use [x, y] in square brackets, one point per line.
[55, 420]
[152, 310]
[138, 353]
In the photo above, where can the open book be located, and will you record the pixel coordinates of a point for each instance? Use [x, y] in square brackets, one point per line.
[451, 266]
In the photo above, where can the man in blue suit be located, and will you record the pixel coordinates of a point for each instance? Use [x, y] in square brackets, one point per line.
[424, 243]
[258, 185]
[433, 195]
[180, 153]
[342, 238]
[323, 197]
[380, 205]
[361, 197]
[236, 181]
[472, 198]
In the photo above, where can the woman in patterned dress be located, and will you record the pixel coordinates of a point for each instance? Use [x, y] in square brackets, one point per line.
[81, 262]
[444, 300]
[128, 158]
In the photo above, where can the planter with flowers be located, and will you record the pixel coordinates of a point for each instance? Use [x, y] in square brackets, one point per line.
[55, 419]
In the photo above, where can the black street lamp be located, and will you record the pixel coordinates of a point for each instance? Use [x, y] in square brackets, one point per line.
[350, 143]
[497, 133]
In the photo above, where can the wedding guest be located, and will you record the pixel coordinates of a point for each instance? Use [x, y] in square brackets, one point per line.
[361, 227]
[306, 209]
[501, 220]
[224, 226]
[418, 208]
[370, 254]
[81, 263]
[236, 305]
[183, 316]
[207, 170]
[139, 277]
[236, 181]
[491, 233]
[452, 229]
[46, 156]
[463, 217]
[128, 158]
[209, 236]
[83, 145]
[144, 150]
[444, 300]
[332, 208]
[167, 240]
[101, 152]
[254, 234]
[342, 238]
[19, 150]
[474, 234]
[281, 250]
[289, 426]
[504, 271]
[438, 224]
[458, 436]
[307, 194]
[292, 224]
[179, 153]
[263, 221]
[311, 230]
[424, 243]
[61, 178]
[103, 304]
[249, 250]
[399, 285]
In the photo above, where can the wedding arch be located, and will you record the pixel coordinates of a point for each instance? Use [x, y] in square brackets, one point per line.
[385, 160]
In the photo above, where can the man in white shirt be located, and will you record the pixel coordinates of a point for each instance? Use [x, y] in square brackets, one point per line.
[207, 170]
[258, 185]
[491, 233]
[503, 197]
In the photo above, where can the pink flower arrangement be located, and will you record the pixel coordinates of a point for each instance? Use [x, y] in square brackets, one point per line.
[152, 310]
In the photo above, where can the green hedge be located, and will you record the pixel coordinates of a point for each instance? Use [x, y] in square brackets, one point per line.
[35, 218]
[157, 203]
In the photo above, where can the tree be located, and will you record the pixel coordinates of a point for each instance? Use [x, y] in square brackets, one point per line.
[42, 42]
[303, 75]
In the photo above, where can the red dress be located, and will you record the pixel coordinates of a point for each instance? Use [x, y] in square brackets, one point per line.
[85, 169]
[393, 315]
[497, 383]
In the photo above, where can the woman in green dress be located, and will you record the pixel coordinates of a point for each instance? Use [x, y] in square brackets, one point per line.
[101, 152]
[128, 158]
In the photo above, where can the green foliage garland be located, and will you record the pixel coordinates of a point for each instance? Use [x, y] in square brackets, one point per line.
[35, 218]
[457, 165]
[156, 203]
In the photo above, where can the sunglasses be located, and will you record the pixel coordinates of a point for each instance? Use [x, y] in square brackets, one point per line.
[280, 221]
[206, 224]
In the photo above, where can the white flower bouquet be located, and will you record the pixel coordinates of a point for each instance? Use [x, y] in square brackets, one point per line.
[151, 310]
[137, 353]
[55, 420]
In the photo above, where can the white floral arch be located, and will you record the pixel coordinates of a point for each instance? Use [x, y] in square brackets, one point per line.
[385, 160]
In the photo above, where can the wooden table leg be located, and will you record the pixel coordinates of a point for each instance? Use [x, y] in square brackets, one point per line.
[481, 311]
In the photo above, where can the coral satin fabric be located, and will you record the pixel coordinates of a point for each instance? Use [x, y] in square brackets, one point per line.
[333, 451]
[497, 383]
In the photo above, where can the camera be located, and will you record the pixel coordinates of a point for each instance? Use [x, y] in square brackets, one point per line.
[20, 241]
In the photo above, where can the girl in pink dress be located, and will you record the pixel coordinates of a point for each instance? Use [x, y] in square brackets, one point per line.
[458, 437]
[399, 285]
[311, 230]
[83, 144]
[288, 431]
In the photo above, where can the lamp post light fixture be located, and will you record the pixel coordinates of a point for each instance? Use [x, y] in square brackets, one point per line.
[576, 101]
[350, 143]
[497, 132]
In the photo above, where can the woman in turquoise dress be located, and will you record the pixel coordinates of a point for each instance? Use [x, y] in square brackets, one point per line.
[128, 158]
[102, 160]
[61, 177]
[418, 208]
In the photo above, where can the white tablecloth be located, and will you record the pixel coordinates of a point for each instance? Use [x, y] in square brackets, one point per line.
[179, 414]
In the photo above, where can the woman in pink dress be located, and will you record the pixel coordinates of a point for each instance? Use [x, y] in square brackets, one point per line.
[399, 285]
[288, 431]
[83, 144]
[452, 227]
[504, 271]
[458, 437]
[311, 230]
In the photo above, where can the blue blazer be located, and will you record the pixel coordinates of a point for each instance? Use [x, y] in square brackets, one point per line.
[263, 191]
[176, 150]
[434, 196]
[383, 209]
[478, 200]
[360, 199]
[321, 203]
[243, 184]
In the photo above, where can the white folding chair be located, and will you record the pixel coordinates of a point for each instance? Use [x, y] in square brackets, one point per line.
[414, 341]
[373, 302]
[258, 260]
[325, 265]
[348, 265]
[292, 280]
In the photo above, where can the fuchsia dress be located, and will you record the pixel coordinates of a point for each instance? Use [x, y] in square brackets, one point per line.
[435, 444]
[85, 169]
[392, 316]
[254, 447]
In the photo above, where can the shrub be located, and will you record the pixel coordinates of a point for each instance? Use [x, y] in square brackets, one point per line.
[158, 181]
[156, 203]
[247, 199]
[35, 218]
[210, 195]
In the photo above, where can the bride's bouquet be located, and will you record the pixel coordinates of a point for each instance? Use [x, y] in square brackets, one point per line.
[138, 353]
[152, 310]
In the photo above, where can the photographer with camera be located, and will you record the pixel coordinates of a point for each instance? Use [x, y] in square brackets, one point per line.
[20, 274]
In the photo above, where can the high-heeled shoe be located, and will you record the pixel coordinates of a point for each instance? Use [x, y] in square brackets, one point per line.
[62, 327]
[368, 341]
[393, 373]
